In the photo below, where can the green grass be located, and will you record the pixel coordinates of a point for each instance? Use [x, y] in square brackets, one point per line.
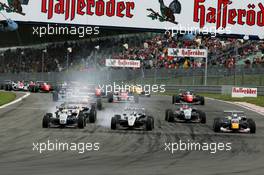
[259, 101]
[6, 97]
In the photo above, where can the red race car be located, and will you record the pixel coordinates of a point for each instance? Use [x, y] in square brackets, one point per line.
[188, 97]
[40, 86]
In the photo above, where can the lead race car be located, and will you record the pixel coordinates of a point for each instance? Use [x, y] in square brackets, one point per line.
[188, 97]
[122, 96]
[70, 114]
[66, 92]
[185, 113]
[133, 118]
[234, 121]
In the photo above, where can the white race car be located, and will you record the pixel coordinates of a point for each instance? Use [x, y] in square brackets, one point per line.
[122, 96]
[133, 118]
[69, 115]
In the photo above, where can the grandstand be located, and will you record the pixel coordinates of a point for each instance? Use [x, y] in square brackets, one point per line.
[149, 48]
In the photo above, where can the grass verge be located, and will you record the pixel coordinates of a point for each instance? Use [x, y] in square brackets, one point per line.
[6, 97]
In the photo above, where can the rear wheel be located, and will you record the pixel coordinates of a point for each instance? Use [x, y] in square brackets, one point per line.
[202, 101]
[99, 104]
[173, 99]
[217, 125]
[55, 96]
[252, 126]
[110, 98]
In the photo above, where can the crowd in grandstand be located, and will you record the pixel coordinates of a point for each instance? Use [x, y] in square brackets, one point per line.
[151, 50]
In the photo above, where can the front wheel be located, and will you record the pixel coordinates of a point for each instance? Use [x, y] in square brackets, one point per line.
[217, 125]
[202, 116]
[202, 100]
[149, 123]
[167, 114]
[113, 123]
[46, 121]
[170, 116]
[81, 122]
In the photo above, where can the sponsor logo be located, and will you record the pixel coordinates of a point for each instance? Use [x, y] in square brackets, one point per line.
[222, 15]
[122, 63]
[197, 53]
[71, 8]
[244, 92]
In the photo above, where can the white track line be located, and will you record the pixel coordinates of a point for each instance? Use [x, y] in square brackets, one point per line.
[15, 101]
[238, 104]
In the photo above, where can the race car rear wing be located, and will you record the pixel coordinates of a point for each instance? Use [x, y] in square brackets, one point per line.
[234, 112]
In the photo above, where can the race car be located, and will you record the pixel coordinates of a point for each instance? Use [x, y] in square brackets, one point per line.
[70, 115]
[234, 121]
[138, 90]
[65, 94]
[8, 85]
[122, 96]
[21, 86]
[187, 97]
[39, 86]
[15, 86]
[185, 113]
[133, 118]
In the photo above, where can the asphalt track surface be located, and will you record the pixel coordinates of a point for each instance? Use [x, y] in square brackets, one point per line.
[125, 151]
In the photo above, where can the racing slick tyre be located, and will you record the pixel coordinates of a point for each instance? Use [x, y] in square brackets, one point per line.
[217, 125]
[93, 115]
[99, 104]
[55, 96]
[170, 116]
[149, 123]
[252, 126]
[176, 99]
[167, 114]
[113, 123]
[46, 120]
[202, 116]
[110, 98]
[136, 99]
[202, 101]
[34, 89]
[8, 87]
[81, 121]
